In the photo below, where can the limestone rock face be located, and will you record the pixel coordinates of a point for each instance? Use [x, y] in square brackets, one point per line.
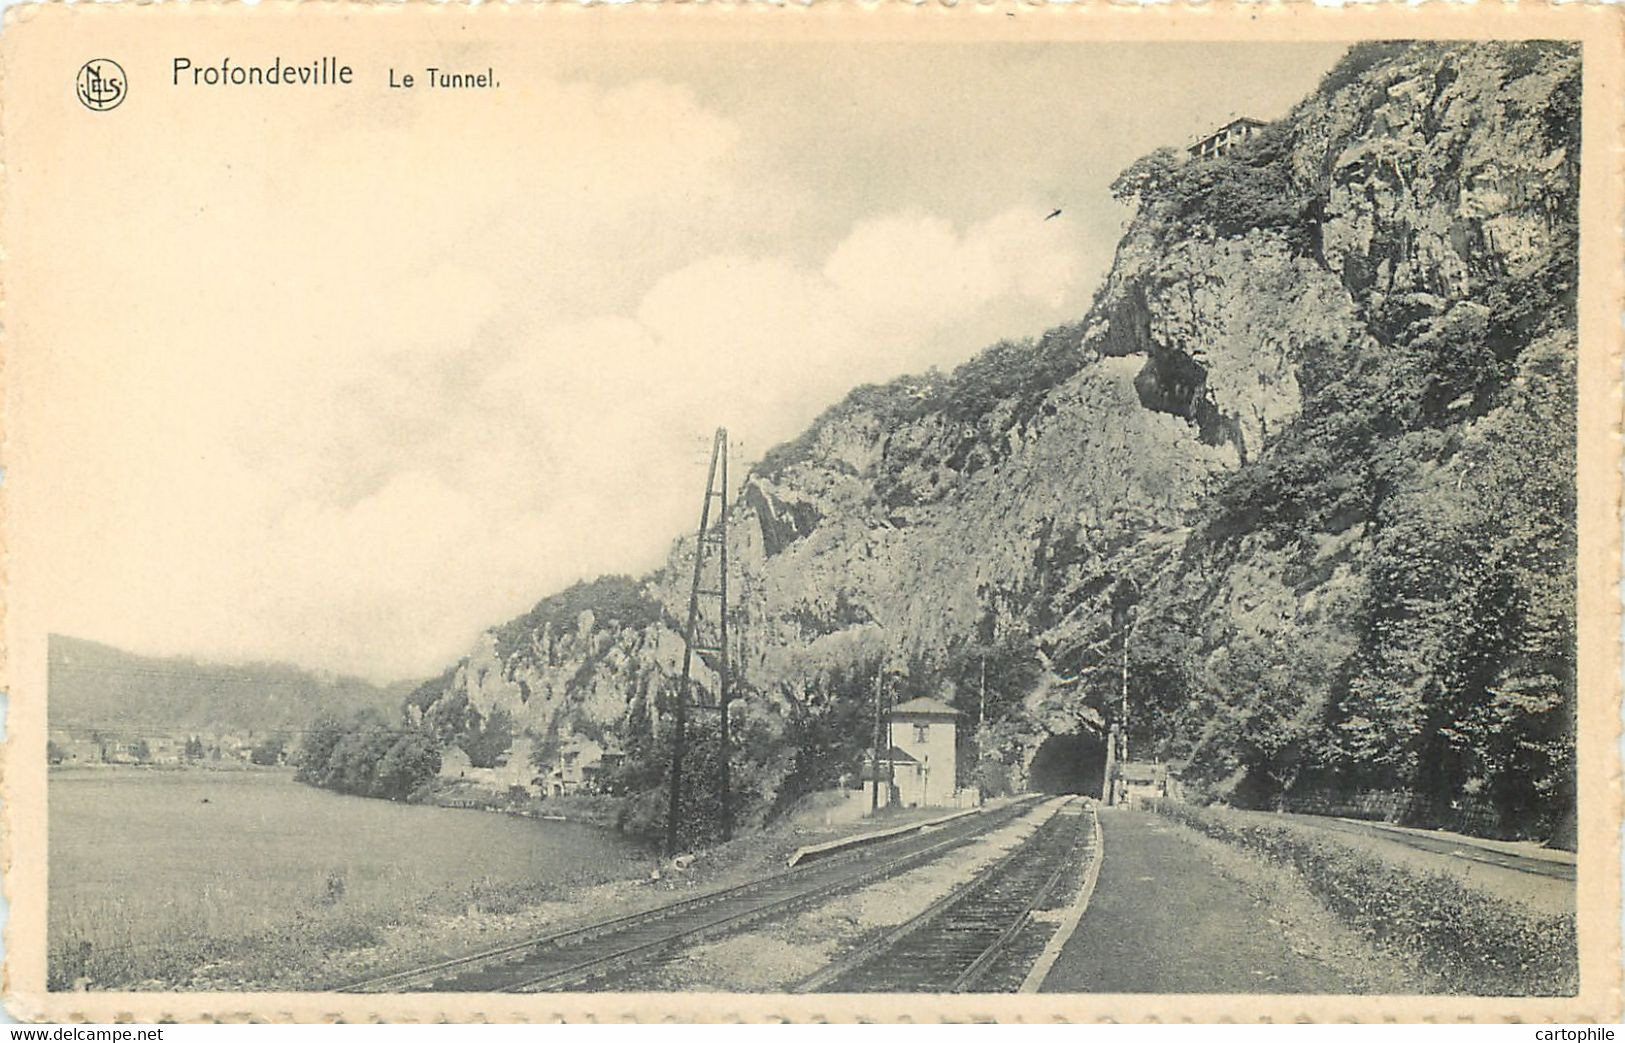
[1371, 233]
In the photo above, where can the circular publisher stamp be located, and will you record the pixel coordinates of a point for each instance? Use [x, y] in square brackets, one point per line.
[101, 84]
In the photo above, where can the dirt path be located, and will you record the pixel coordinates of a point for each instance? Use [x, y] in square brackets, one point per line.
[1162, 920]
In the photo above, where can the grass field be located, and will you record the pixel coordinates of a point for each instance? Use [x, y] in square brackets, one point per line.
[155, 877]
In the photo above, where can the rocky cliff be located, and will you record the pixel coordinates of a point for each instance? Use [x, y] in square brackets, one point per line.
[1307, 462]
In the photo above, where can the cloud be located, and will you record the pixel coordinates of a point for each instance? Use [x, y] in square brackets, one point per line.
[581, 450]
[441, 380]
[909, 270]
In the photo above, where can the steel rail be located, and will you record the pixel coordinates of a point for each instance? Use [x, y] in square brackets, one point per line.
[957, 832]
[979, 966]
[634, 954]
[940, 916]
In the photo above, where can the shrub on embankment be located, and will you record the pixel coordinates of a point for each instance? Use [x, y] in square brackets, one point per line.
[1465, 940]
[367, 755]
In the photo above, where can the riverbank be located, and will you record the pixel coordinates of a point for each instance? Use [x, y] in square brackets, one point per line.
[592, 809]
[233, 767]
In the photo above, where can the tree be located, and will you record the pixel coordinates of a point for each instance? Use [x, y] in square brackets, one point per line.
[269, 751]
[1146, 177]
[412, 760]
[701, 821]
[989, 681]
[1467, 671]
[1264, 720]
[316, 752]
[365, 755]
[484, 740]
[828, 725]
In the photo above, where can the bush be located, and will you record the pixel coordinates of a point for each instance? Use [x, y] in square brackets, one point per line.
[1360, 59]
[614, 601]
[1252, 187]
[366, 756]
[1470, 942]
[1236, 198]
[269, 752]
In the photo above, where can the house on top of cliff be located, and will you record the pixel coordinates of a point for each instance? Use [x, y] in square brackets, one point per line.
[1225, 138]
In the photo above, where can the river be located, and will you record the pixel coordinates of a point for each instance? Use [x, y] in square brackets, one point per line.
[141, 858]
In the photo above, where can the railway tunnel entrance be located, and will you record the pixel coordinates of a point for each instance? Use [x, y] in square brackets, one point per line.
[1069, 763]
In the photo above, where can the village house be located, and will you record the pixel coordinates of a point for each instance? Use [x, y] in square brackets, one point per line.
[593, 776]
[1141, 782]
[580, 764]
[67, 750]
[230, 747]
[454, 763]
[1225, 138]
[512, 768]
[165, 750]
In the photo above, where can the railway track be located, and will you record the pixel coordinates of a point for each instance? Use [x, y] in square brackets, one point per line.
[981, 936]
[582, 954]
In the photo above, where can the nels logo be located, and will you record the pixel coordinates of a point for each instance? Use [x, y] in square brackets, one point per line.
[101, 84]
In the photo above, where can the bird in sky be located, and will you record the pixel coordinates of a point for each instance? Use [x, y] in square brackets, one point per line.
[1053, 213]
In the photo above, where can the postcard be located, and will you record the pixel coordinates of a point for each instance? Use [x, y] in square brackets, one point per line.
[519, 512]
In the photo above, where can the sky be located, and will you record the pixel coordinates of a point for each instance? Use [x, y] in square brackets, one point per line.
[359, 380]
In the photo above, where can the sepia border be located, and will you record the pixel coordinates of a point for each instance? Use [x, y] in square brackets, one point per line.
[1601, 29]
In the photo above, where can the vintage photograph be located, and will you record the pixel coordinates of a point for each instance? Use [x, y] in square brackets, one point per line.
[793, 516]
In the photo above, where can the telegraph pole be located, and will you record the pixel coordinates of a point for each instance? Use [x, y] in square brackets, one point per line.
[874, 795]
[1128, 630]
[981, 709]
[723, 691]
[981, 732]
[719, 451]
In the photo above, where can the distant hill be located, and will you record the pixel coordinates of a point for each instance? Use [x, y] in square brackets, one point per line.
[97, 686]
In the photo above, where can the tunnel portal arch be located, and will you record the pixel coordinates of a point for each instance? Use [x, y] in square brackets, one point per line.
[1069, 762]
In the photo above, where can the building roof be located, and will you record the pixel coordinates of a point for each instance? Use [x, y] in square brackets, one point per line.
[1239, 121]
[893, 756]
[898, 756]
[1142, 771]
[923, 707]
